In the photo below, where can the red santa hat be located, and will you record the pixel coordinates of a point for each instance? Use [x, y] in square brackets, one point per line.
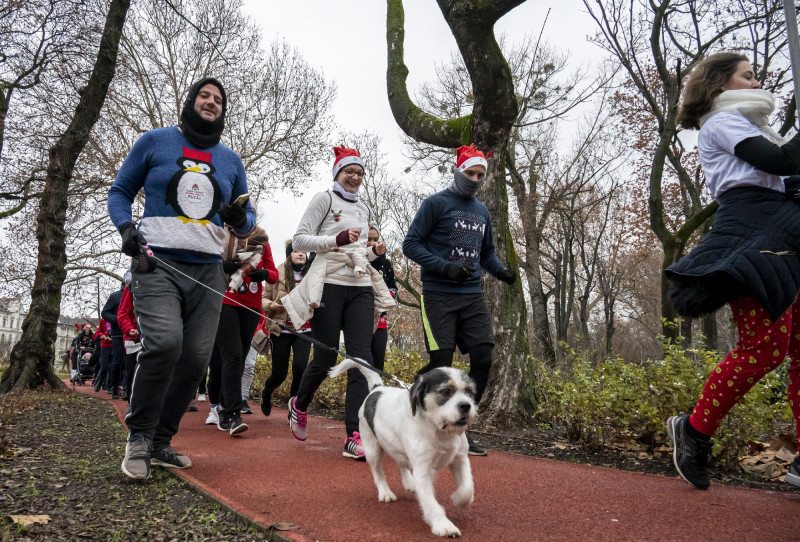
[345, 157]
[470, 156]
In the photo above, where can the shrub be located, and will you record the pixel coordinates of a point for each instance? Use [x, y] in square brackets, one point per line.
[617, 400]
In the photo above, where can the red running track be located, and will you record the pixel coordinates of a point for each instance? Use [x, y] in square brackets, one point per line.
[269, 477]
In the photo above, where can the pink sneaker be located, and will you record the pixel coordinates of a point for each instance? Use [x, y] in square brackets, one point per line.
[298, 421]
[353, 447]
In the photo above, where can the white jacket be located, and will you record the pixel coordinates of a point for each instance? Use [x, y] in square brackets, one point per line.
[301, 302]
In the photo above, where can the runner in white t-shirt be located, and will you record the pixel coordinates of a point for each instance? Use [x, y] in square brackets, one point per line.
[749, 258]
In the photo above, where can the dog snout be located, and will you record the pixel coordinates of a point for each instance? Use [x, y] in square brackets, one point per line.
[464, 407]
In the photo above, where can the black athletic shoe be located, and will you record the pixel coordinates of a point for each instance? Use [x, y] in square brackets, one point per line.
[237, 425]
[246, 408]
[169, 458]
[690, 454]
[475, 449]
[266, 402]
[794, 472]
[224, 419]
[97, 386]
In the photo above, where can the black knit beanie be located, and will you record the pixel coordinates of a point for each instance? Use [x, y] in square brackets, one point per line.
[200, 132]
[288, 249]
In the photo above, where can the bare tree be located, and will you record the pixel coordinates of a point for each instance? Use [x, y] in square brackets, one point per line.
[278, 121]
[32, 357]
[34, 34]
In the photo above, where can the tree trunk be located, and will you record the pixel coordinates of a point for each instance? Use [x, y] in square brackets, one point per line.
[509, 396]
[709, 328]
[32, 357]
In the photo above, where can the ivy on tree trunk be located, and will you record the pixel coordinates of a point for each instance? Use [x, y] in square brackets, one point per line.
[32, 357]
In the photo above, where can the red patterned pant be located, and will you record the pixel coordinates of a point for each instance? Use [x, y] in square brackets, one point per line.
[763, 345]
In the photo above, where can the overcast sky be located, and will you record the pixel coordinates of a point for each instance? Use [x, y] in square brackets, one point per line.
[346, 39]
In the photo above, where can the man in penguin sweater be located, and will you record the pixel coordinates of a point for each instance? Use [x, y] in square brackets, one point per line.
[191, 182]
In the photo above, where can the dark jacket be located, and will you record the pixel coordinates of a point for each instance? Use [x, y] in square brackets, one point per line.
[109, 313]
[382, 264]
[751, 249]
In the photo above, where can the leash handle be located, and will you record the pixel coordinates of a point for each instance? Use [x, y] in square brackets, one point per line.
[145, 260]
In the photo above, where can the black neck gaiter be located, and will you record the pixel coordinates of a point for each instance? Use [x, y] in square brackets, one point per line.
[200, 132]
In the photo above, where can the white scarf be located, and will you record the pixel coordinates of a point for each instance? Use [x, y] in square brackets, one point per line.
[756, 105]
[344, 193]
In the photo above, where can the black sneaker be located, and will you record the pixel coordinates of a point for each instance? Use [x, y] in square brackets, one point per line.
[794, 472]
[475, 449]
[136, 464]
[97, 386]
[192, 406]
[690, 454]
[237, 425]
[246, 408]
[224, 419]
[169, 458]
[266, 402]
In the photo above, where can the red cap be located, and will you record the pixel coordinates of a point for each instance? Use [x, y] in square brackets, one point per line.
[470, 156]
[345, 157]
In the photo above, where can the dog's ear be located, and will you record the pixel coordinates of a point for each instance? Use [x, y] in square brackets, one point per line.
[417, 394]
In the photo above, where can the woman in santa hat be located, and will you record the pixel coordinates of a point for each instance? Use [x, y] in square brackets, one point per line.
[340, 289]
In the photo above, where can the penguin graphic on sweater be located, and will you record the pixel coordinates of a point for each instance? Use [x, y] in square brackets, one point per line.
[193, 192]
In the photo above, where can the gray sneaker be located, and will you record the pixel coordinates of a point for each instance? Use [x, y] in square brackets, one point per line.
[169, 458]
[136, 464]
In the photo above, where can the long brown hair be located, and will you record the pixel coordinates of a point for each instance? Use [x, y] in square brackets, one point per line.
[706, 82]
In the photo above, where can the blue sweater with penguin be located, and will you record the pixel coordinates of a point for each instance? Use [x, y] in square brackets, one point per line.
[184, 189]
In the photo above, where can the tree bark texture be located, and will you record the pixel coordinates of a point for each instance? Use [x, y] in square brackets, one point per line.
[508, 398]
[32, 357]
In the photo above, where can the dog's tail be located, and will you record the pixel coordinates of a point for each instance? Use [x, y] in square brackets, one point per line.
[373, 378]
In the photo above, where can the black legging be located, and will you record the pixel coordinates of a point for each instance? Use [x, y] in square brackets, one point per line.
[348, 309]
[480, 363]
[283, 346]
[234, 334]
[378, 347]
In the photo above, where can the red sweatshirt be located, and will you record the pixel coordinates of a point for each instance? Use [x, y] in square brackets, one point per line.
[249, 294]
[104, 332]
[126, 318]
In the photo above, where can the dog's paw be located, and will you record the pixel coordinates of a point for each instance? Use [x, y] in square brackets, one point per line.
[445, 527]
[462, 499]
[386, 495]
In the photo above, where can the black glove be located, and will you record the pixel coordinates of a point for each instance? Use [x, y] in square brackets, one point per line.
[132, 240]
[457, 272]
[509, 276]
[257, 275]
[234, 215]
[229, 267]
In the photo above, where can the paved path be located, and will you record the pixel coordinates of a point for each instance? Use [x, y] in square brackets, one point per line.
[269, 476]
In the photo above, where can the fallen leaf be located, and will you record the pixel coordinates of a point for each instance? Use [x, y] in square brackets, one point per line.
[784, 454]
[30, 519]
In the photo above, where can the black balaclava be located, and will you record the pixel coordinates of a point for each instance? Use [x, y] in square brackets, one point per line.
[464, 186]
[200, 132]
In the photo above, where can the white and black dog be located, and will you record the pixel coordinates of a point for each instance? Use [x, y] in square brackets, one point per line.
[424, 430]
